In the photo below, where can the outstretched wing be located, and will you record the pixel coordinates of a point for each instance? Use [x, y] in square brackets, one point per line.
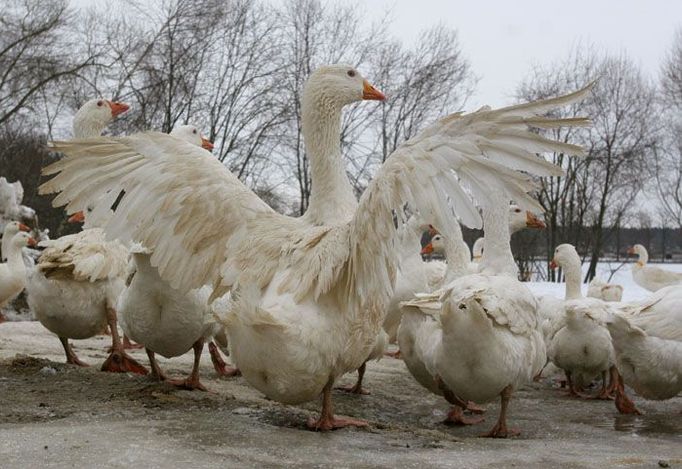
[179, 201]
[460, 158]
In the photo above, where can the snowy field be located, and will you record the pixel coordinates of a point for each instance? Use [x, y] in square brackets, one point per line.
[623, 277]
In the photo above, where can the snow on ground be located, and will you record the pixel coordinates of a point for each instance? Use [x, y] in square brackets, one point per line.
[623, 277]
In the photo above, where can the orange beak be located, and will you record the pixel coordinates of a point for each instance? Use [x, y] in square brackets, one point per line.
[631, 250]
[370, 92]
[553, 265]
[428, 249]
[77, 217]
[23, 227]
[206, 144]
[32, 242]
[534, 222]
[117, 108]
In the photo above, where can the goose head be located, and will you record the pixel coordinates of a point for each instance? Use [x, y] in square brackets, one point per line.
[335, 86]
[640, 251]
[520, 219]
[191, 134]
[89, 218]
[13, 228]
[563, 255]
[95, 115]
[23, 239]
[437, 245]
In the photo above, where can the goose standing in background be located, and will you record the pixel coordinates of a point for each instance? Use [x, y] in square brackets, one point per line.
[162, 318]
[579, 343]
[420, 330]
[309, 294]
[604, 291]
[651, 278]
[647, 340]
[10, 230]
[74, 288]
[13, 272]
[491, 340]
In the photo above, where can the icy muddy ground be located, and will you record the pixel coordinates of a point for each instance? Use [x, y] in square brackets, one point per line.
[54, 415]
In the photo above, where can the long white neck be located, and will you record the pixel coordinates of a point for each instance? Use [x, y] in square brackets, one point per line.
[457, 254]
[15, 260]
[572, 273]
[87, 128]
[332, 199]
[477, 250]
[6, 238]
[643, 257]
[497, 255]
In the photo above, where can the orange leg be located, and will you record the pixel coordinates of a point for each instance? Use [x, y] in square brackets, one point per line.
[456, 415]
[157, 372]
[623, 403]
[192, 381]
[500, 429]
[71, 357]
[219, 364]
[119, 361]
[357, 387]
[328, 421]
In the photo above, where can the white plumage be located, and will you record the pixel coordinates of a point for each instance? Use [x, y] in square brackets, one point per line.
[75, 285]
[650, 277]
[647, 340]
[578, 341]
[311, 292]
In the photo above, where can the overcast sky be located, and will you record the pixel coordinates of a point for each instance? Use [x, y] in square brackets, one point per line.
[504, 39]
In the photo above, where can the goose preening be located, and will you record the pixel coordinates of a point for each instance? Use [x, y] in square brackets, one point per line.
[309, 294]
[491, 341]
[579, 342]
[419, 331]
[166, 320]
[13, 272]
[649, 277]
[604, 291]
[78, 278]
[647, 341]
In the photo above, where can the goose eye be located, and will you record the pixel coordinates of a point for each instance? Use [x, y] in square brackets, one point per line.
[194, 131]
[99, 103]
[518, 210]
[351, 73]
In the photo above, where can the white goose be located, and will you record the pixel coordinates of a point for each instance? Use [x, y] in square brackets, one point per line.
[309, 294]
[518, 220]
[11, 228]
[604, 291]
[651, 278]
[420, 331]
[13, 272]
[78, 278]
[579, 342]
[648, 346]
[164, 319]
[491, 340]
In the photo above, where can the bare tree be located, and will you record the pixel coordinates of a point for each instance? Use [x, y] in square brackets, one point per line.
[38, 50]
[668, 167]
[599, 190]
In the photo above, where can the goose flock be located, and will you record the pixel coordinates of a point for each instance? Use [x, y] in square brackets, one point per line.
[179, 253]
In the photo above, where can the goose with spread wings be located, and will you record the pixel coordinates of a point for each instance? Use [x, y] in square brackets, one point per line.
[310, 293]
